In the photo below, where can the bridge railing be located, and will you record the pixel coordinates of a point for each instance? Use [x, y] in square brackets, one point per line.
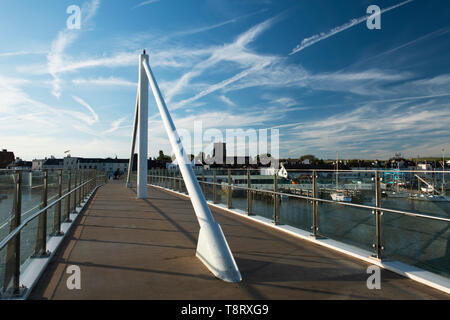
[33, 206]
[394, 222]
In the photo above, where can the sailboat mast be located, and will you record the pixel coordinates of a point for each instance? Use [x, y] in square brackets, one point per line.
[443, 173]
[337, 170]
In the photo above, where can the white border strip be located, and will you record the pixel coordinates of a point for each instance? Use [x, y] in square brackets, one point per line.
[37, 266]
[419, 275]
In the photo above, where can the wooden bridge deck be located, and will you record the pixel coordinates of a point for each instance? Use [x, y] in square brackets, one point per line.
[145, 249]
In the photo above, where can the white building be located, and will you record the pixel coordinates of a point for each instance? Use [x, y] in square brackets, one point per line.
[424, 166]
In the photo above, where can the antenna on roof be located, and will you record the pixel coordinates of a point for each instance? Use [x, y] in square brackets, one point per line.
[144, 51]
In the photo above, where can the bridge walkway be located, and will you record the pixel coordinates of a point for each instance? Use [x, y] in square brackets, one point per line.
[145, 249]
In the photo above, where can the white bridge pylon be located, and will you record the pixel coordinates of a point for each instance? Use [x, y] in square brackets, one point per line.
[212, 247]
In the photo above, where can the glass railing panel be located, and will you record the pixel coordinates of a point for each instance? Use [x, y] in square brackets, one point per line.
[298, 182]
[239, 198]
[416, 241]
[28, 243]
[351, 225]
[222, 193]
[262, 204]
[7, 191]
[53, 193]
[32, 192]
[6, 273]
[208, 192]
[296, 212]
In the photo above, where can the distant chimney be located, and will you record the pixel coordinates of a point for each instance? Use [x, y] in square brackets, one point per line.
[4, 150]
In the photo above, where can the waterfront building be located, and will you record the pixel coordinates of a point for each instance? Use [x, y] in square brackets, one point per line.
[6, 158]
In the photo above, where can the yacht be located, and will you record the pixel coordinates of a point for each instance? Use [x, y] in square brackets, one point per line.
[340, 196]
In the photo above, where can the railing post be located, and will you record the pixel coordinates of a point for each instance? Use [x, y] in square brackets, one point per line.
[83, 188]
[315, 226]
[91, 183]
[12, 268]
[69, 188]
[86, 186]
[229, 196]
[214, 186]
[75, 195]
[180, 183]
[18, 217]
[41, 243]
[378, 245]
[57, 215]
[276, 218]
[249, 193]
[80, 181]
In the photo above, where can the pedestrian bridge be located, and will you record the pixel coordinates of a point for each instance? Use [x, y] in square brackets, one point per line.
[158, 237]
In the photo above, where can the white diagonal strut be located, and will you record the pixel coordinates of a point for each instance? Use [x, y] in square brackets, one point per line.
[143, 130]
[212, 247]
[133, 142]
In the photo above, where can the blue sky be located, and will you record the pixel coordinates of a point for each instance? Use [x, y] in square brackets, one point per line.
[311, 69]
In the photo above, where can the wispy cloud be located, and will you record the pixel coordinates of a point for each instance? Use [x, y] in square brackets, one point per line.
[108, 82]
[144, 3]
[227, 100]
[88, 120]
[214, 26]
[21, 53]
[307, 42]
[115, 125]
[235, 52]
[56, 59]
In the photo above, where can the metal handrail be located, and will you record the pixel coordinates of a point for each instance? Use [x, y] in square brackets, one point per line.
[322, 200]
[13, 233]
[381, 170]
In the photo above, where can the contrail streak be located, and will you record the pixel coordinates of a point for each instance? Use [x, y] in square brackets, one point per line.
[324, 35]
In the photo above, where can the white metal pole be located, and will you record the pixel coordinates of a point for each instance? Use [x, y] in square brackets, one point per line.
[143, 129]
[212, 247]
[133, 142]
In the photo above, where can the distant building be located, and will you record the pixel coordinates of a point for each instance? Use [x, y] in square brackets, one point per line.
[71, 163]
[19, 164]
[220, 153]
[306, 161]
[52, 164]
[424, 166]
[48, 163]
[6, 158]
